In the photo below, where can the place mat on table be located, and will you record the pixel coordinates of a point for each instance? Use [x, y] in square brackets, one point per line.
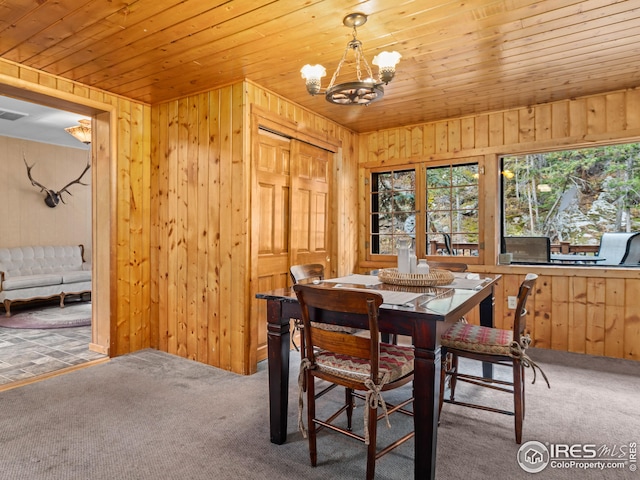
[355, 279]
[466, 282]
[388, 296]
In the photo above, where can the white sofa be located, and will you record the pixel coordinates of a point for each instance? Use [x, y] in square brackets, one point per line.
[42, 272]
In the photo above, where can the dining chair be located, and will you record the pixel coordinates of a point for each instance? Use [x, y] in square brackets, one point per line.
[310, 273]
[360, 364]
[632, 255]
[496, 346]
[452, 267]
[528, 249]
[448, 246]
[305, 273]
[614, 248]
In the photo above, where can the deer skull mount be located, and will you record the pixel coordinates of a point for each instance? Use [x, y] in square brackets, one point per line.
[53, 198]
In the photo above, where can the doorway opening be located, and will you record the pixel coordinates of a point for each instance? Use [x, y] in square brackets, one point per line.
[100, 215]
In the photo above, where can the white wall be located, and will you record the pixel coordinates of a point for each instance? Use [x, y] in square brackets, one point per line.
[24, 217]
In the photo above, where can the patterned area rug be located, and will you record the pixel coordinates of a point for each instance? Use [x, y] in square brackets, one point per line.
[74, 315]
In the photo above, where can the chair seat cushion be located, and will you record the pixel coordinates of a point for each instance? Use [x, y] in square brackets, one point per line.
[76, 276]
[396, 360]
[474, 338]
[31, 281]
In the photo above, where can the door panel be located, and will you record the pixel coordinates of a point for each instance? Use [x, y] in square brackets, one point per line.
[272, 219]
[310, 171]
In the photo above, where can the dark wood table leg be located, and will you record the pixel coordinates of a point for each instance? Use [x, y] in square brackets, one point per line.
[487, 320]
[278, 338]
[426, 389]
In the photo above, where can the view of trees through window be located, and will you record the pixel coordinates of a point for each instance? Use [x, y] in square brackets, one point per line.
[574, 195]
[452, 207]
[450, 202]
[393, 206]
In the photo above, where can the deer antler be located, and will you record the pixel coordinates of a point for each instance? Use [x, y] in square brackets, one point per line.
[53, 197]
[77, 180]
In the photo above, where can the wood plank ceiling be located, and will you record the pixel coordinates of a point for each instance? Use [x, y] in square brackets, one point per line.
[459, 57]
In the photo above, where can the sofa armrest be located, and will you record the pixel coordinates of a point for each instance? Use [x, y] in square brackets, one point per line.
[86, 266]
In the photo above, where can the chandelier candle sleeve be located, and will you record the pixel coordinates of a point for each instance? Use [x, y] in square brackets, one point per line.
[386, 62]
[312, 74]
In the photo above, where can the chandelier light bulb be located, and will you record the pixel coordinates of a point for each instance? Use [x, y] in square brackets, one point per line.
[312, 75]
[386, 62]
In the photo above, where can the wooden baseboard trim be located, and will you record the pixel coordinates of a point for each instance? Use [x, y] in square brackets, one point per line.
[27, 381]
[94, 347]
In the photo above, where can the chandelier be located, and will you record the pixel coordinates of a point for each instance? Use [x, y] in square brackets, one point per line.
[81, 132]
[361, 91]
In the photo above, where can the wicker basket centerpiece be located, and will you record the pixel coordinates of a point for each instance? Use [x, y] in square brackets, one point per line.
[434, 278]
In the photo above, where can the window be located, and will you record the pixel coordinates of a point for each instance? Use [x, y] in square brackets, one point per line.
[393, 209]
[448, 221]
[452, 209]
[572, 197]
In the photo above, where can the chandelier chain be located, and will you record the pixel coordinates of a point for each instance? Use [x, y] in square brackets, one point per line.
[335, 74]
[356, 45]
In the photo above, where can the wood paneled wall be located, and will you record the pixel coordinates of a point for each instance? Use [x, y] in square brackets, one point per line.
[200, 228]
[587, 310]
[131, 252]
[202, 277]
[121, 201]
[574, 310]
[568, 123]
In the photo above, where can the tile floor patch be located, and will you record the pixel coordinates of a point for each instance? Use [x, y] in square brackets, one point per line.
[25, 353]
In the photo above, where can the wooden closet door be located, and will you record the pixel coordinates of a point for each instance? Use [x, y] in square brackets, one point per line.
[271, 220]
[290, 217]
[310, 172]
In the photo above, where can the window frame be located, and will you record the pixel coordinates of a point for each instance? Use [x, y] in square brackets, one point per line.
[370, 173]
[420, 169]
[501, 214]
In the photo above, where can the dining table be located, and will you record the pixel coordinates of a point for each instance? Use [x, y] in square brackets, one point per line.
[420, 312]
[575, 258]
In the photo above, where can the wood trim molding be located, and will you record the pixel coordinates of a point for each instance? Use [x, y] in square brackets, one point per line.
[51, 97]
[104, 190]
[291, 129]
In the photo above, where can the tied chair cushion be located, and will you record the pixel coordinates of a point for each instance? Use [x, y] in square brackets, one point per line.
[492, 341]
[396, 361]
[475, 338]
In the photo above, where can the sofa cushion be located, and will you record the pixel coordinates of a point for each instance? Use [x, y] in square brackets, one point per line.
[28, 281]
[22, 261]
[73, 277]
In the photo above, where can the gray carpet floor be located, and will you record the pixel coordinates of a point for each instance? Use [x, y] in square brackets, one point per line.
[151, 415]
